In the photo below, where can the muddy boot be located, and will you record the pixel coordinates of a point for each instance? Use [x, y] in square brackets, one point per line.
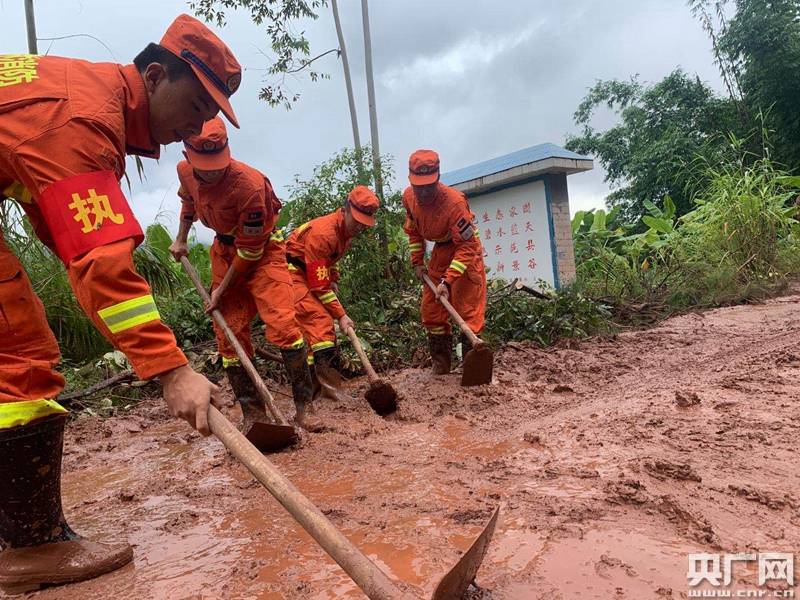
[441, 347]
[296, 364]
[329, 379]
[39, 547]
[316, 386]
[253, 409]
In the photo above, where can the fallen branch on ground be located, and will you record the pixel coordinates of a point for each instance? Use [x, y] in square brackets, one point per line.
[124, 376]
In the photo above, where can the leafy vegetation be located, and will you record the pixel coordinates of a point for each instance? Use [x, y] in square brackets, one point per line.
[740, 242]
[665, 126]
[662, 129]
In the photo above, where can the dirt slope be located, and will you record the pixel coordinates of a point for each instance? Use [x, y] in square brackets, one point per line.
[611, 460]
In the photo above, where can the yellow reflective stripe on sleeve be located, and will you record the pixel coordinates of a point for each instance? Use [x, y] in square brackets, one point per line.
[416, 247]
[18, 192]
[458, 266]
[230, 362]
[291, 267]
[276, 236]
[130, 313]
[327, 298]
[302, 227]
[322, 346]
[14, 414]
[248, 255]
[437, 331]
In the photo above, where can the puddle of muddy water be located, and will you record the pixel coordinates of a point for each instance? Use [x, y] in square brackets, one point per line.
[603, 564]
[461, 438]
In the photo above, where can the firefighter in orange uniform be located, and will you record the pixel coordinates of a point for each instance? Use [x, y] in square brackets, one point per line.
[441, 214]
[312, 251]
[65, 127]
[248, 264]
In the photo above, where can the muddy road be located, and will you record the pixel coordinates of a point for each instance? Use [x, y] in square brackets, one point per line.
[612, 460]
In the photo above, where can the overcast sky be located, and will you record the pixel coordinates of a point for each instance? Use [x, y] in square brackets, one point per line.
[472, 79]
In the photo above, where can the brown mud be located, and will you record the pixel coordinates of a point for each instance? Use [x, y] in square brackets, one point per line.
[612, 460]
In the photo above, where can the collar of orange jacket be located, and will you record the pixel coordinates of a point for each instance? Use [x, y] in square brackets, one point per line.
[137, 116]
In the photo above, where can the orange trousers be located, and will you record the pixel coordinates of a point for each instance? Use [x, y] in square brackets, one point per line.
[28, 349]
[265, 290]
[467, 294]
[315, 321]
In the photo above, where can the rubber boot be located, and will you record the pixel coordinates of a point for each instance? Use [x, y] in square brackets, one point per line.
[316, 387]
[39, 547]
[253, 409]
[441, 347]
[296, 363]
[329, 379]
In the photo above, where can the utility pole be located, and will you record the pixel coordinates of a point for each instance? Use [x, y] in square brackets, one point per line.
[348, 82]
[31, 25]
[373, 116]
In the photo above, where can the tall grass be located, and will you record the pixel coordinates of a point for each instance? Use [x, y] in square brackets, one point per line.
[740, 242]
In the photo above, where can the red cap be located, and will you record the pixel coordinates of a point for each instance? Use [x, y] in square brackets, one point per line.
[423, 167]
[210, 59]
[363, 204]
[209, 151]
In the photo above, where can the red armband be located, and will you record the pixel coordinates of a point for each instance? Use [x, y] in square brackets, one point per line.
[318, 274]
[86, 211]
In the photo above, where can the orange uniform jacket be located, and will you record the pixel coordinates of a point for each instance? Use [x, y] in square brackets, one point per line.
[448, 222]
[241, 205]
[314, 248]
[65, 127]
[243, 209]
[457, 256]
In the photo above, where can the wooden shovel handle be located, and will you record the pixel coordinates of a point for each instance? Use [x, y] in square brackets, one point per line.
[261, 388]
[374, 582]
[474, 339]
[373, 376]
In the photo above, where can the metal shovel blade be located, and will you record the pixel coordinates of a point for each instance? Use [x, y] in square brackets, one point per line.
[455, 582]
[381, 397]
[478, 364]
[269, 437]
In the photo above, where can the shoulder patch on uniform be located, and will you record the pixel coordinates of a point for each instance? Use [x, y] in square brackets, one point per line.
[465, 229]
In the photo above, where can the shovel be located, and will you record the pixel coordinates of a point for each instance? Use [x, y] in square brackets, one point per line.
[479, 361]
[267, 437]
[366, 574]
[381, 396]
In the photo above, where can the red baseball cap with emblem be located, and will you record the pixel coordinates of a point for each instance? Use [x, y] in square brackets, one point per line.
[363, 204]
[423, 167]
[209, 151]
[210, 59]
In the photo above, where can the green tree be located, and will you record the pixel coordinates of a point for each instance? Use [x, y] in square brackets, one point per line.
[662, 129]
[761, 43]
[292, 50]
